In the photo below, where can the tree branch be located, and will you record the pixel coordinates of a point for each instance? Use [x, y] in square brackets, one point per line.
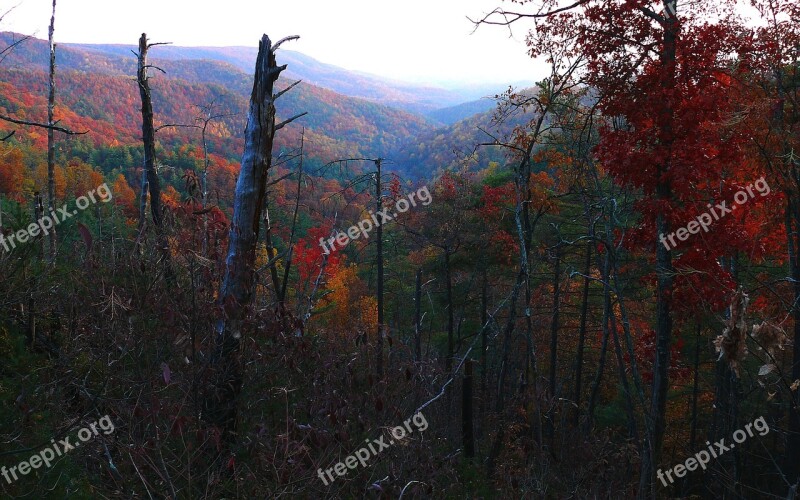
[175, 125]
[282, 40]
[518, 15]
[287, 89]
[290, 120]
[41, 125]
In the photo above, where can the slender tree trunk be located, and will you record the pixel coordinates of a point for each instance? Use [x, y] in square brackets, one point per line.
[450, 319]
[51, 143]
[554, 341]
[204, 187]
[288, 264]
[652, 445]
[148, 133]
[587, 269]
[143, 190]
[271, 253]
[793, 236]
[607, 312]
[687, 484]
[379, 246]
[418, 318]
[623, 377]
[467, 427]
[149, 141]
[484, 343]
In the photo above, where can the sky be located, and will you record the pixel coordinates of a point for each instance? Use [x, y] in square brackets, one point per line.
[421, 41]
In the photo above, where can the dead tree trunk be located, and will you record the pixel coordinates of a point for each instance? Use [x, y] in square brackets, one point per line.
[418, 319]
[379, 245]
[148, 134]
[237, 287]
[149, 175]
[51, 144]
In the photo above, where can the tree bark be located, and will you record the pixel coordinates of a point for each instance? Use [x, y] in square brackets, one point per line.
[379, 246]
[237, 289]
[467, 428]
[150, 177]
[450, 319]
[554, 341]
[582, 333]
[51, 144]
[793, 236]
[418, 318]
[652, 445]
[148, 134]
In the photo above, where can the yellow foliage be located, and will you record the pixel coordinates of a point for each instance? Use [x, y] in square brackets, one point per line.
[353, 310]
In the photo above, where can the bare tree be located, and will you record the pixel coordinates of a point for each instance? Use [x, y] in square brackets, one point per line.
[150, 181]
[51, 144]
[237, 286]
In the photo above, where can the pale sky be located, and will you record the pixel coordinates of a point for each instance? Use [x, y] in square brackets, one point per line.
[412, 40]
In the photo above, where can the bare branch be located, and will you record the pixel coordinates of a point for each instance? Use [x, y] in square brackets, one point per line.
[280, 179]
[7, 51]
[652, 15]
[175, 125]
[41, 125]
[516, 16]
[277, 70]
[282, 40]
[290, 120]
[155, 67]
[287, 89]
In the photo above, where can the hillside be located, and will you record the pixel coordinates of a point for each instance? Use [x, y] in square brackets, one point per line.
[401, 95]
[454, 114]
[96, 93]
[454, 146]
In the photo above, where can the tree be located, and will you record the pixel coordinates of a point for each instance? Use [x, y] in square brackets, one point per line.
[51, 144]
[150, 178]
[236, 292]
[654, 70]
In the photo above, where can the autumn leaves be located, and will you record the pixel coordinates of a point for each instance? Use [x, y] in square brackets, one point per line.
[704, 221]
[364, 227]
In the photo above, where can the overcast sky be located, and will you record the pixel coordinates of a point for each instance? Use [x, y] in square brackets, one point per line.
[412, 40]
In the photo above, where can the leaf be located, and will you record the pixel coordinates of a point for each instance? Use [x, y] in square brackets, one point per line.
[766, 369]
[166, 372]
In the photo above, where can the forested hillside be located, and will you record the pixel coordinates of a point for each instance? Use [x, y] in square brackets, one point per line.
[220, 283]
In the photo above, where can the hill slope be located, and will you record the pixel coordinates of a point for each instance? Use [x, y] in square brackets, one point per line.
[96, 93]
[401, 95]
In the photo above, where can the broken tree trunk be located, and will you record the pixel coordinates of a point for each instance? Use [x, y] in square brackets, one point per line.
[149, 175]
[237, 287]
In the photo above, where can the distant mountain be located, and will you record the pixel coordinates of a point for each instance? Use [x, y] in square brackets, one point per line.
[456, 146]
[97, 92]
[406, 96]
[453, 114]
